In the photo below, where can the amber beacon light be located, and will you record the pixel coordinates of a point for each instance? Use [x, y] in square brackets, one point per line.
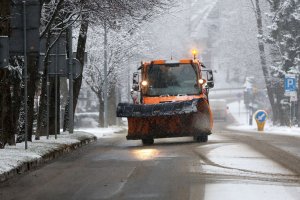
[194, 52]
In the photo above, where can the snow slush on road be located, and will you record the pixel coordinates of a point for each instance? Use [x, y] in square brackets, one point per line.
[169, 100]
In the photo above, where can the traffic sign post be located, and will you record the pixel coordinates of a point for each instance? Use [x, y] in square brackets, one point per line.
[260, 118]
[290, 89]
[290, 85]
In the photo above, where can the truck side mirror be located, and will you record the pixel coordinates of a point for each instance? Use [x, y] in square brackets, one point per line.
[135, 81]
[210, 78]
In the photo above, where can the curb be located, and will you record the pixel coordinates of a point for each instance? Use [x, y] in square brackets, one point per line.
[34, 164]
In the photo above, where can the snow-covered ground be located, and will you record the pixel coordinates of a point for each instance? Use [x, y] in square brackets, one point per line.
[240, 164]
[102, 132]
[239, 112]
[12, 157]
[245, 163]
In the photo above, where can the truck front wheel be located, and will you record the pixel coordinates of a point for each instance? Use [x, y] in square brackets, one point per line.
[201, 138]
[148, 141]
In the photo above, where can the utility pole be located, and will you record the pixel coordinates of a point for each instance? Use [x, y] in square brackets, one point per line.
[71, 114]
[128, 84]
[105, 77]
[56, 90]
[48, 102]
[25, 74]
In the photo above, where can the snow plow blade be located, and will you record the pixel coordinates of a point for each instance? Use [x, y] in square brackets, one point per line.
[161, 109]
[191, 121]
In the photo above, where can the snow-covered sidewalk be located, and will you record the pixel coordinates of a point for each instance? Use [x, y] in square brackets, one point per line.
[15, 159]
[240, 114]
[102, 132]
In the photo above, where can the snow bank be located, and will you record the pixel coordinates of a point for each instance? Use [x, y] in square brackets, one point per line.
[241, 116]
[14, 156]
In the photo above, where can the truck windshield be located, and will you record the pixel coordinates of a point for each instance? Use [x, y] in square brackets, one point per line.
[172, 79]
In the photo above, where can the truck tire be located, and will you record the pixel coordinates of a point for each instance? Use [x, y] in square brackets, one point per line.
[201, 138]
[148, 141]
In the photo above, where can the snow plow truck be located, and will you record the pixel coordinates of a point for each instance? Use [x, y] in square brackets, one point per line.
[170, 99]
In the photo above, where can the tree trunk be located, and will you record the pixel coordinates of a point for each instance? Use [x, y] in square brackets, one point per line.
[282, 111]
[64, 93]
[6, 122]
[42, 116]
[112, 107]
[80, 56]
[32, 82]
[101, 112]
[16, 104]
[42, 113]
[31, 88]
[53, 106]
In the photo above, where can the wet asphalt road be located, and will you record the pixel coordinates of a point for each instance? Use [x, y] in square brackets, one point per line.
[231, 165]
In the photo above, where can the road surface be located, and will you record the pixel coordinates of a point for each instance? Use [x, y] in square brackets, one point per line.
[231, 165]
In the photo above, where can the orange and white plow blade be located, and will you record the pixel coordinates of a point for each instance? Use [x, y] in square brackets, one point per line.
[191, 124]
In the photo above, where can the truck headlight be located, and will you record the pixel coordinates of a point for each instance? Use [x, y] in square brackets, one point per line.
[144, 83]
[201, 81]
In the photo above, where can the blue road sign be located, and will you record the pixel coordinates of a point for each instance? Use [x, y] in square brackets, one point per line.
[290, 84]
[261, 116]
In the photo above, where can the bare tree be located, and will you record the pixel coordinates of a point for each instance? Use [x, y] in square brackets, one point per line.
[112, 12]
[122, 47]
[57, 17]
